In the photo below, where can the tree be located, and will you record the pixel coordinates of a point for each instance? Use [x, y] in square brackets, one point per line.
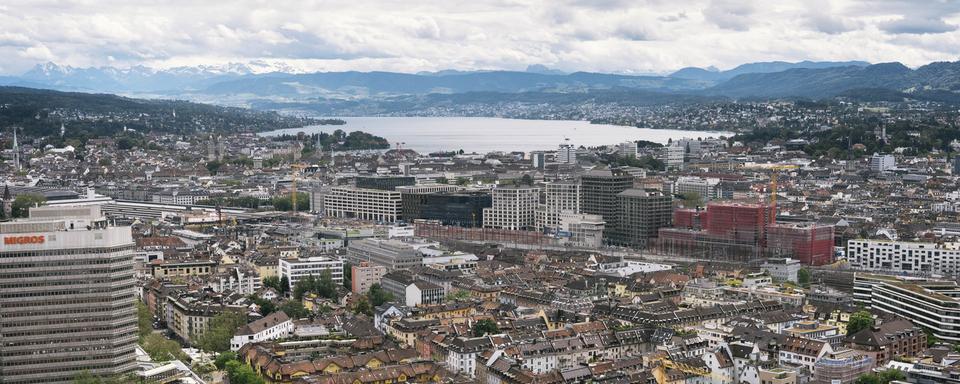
[526, 179]
[294, 309]
[163, 349]
[266, 306]
[240, 373]
[803, 277]
[323, 286]
[213, 167]
[485, 326]
[378, 296]
[22, 204]
[691, 199]
[884, 377]
[859, 321]
[221, 329]
[347, 276]
[223, 358]
[284, 285]
[272, 282]
[363, 306]
[144, 321]
[86, 377]
[441, 180]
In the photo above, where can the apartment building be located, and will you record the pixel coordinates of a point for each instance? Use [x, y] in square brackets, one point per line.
[904, 257]
[390, 253]
[296, 269]
[928, 303]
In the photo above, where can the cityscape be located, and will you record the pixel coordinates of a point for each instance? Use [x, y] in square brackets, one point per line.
[258, 204]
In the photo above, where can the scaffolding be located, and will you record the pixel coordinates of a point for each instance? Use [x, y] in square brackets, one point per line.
[810, 243]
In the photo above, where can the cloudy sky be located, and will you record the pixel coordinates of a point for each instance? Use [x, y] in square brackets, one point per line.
[625, 36]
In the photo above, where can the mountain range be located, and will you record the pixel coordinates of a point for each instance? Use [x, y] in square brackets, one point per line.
[256, 82]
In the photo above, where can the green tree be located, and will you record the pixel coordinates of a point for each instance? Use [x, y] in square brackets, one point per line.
[163, 349]
[144, 321]
[284, 285]
[931, 338]
[214, 167]
[223, 358]
[294, 309]
[22, 204]
[377, 295]
[363, 306]
[485, 326]
[240, 373]
[883, 377]
[266, 306]
[272, 282]
[441, 180]
[221, 329]
[859, 320]
[526, 179]
[803, 277]
[86, 377]
[347, 276]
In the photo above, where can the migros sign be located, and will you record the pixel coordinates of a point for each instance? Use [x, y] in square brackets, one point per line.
[17, 240]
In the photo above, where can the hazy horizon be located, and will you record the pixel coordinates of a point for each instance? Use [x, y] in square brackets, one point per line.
[611, 36]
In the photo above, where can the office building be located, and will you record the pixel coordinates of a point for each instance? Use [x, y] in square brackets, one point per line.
[66, 297]
[414, 198]
[392, 254]
[927, 303]
[296, 269]
[582, 230]
[881, 163]
[410, 291]
[512, 208]
[782, 269]
[558, 198]
[705, 188]
[642, 214]
[364, 204]
[384, 183]
[599, 189]
[365, 275]
[567, 154]
[464, 209]
[904, 257]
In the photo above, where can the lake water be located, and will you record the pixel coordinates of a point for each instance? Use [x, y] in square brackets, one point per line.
[483, 134]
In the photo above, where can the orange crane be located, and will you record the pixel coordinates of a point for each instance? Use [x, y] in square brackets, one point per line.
[773, 188]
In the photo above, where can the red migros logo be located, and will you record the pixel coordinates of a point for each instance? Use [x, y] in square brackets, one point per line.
[16, 240]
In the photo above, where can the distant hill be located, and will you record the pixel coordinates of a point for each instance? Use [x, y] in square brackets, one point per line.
[694, 73]
[41, 112]
[927, 81]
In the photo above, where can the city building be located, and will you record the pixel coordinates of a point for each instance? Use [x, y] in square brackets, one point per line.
[365, 275]
[365, 204]
[904, 257]
[385, 183]
[599, 190]
[642, 214]
[538, 159]
[512, 208]
[705, 188]
[673, 156]
[928, 303]
[410, 291]
[782, 269]
[810, 243]
[390, 253]
[889, 340]
[881, 163]
[567, 154]
[414, 198]
[300, 268]
[559, 198]
[463, 209]
[583, 230]
[236, 279]
[66, 296]
[274, 326]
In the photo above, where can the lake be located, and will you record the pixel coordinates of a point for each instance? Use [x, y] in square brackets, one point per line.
[487, 134]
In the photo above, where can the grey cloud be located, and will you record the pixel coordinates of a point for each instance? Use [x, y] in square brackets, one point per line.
[730, 14]
[917, 26]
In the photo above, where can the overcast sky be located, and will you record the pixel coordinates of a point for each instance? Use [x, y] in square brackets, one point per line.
[626, 36]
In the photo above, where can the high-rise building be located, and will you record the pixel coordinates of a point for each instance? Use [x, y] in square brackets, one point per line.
[705, 188]
[673, 156]
[881, 163]
[512, 208]
[642, 214]
[538, 159]
[66, 297]
[296, 269]
[567, 154]
[599, 189]
[559, 197]
[414, 198]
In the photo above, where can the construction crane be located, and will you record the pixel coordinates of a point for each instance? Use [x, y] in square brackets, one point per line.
[294, 172]
[774, 171]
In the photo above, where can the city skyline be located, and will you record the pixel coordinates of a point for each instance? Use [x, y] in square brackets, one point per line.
[600, 36]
